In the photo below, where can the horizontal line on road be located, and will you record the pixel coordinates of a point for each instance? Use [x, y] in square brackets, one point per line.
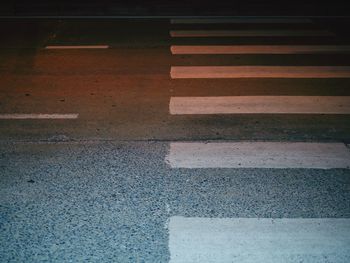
[196, 239]
[184, 72]
[163, 16]
[78, 47]
[241, 21]
[261, 49]
[274, 155]
[19, 116]
[260, 105]
[248, 33]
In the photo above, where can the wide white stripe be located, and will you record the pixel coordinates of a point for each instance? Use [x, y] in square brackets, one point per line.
[266, 49]
[78, 47]
[277, 155]
[240, 21]
[18, 116]
[248, 33]
[260, 105]
[287, 240]
[183, 72]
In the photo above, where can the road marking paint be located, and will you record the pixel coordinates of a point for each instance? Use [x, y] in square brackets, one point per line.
[20, 116]
[195, 240]
[260, 105]
[274, 155]
[78, 47]
[266, 49]
[184, 72]
[248, 33]
[240, 21]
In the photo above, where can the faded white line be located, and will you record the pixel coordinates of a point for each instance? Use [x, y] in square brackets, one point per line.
[288, 240]
[78, 47]
[261, 49]
[184, 72]
[260, 105]
[20, 116]
[240, 21]
[249, 33]
[274, 155]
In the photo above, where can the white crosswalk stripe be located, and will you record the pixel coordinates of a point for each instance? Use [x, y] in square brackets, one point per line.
[249, 33]
[185, 72]
[241, 21]
[194, 240]
[260, 105]
[258, 155]
[259, 49]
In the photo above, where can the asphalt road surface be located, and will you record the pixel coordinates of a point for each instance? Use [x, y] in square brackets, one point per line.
[175, 140]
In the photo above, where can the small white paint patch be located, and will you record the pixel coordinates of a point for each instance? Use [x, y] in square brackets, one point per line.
[79, 47]
[249, 33]
[261, 49]
[287, 240]
[184, 72]
[260, 105]
[240, 21]
[276, 155]
[19, 116]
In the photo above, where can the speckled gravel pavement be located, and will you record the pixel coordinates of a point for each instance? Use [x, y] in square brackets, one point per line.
[110, 202]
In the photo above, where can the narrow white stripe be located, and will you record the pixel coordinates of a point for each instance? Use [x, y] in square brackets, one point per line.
[18, 116]
[240, 21]
[288, 240]
[78, 47]
[247, 33]
[276, 155]
[246, 49]
[184, 72]
[260, 105]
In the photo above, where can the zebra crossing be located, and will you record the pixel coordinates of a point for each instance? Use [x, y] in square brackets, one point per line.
[198, 239]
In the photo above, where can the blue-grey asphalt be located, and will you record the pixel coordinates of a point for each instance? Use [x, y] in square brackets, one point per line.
[110, 202]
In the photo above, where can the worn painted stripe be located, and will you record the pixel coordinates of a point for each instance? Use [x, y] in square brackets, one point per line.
[288, 240]
[19, 116]
[276, 155]
[184, 72]
[241, 21]
[266, 49]
[248, 33]
[260, 105]
[78, 47]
